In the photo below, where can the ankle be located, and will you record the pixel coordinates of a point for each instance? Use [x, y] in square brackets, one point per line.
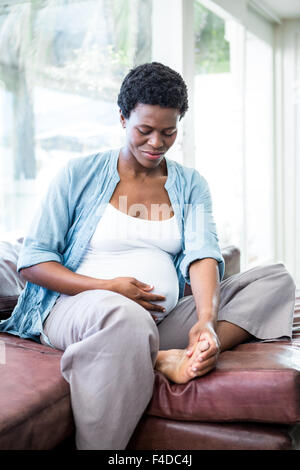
[160, 359]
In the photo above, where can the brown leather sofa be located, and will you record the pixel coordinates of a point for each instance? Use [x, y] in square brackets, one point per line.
[250, 401]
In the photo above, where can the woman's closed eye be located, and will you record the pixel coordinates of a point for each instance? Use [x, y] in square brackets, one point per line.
[167, 134]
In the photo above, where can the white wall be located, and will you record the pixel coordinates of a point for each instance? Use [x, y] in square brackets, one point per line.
[288, 144]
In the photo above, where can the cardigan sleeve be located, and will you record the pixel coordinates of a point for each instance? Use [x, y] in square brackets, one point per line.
[200, 239]
[45, 238]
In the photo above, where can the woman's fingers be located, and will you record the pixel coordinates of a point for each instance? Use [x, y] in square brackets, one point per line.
[143, 285]
[149, 306]
[154, 297]
[145, 298]
[198, 367]
[205, 349]
[203, 346]
[203, 371]
[201, 360]
[148, 295]
[212, 351]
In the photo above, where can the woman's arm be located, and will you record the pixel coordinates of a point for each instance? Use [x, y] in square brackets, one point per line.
[56, 277]
[205, 284]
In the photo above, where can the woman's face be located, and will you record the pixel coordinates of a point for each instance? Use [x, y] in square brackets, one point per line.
[150, 131]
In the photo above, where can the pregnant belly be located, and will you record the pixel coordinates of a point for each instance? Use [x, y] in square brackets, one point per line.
[154, 267]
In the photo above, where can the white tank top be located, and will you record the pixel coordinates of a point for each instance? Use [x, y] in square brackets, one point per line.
[123, 245]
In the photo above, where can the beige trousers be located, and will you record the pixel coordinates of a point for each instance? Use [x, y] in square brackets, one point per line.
[110, 345]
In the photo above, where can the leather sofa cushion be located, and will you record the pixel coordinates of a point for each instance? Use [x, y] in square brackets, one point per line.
[159, 434]
[255, 381]
[35, 409]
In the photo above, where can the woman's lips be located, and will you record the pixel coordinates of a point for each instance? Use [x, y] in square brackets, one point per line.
[152, 156]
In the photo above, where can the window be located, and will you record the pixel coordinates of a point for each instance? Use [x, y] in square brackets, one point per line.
[218, 120]
[259, 162]
[233, 115]
[61, 67]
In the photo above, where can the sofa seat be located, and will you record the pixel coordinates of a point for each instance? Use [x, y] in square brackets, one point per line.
[257, 382]
[35, 411]
[257, 385]
[251, 400]
[165, 434]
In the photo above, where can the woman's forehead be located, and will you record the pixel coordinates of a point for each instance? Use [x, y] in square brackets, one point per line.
[151, 114]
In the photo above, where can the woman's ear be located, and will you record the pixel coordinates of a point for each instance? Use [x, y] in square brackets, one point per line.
[122, 119]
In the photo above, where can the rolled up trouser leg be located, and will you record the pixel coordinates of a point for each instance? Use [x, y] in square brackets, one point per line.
[110, 346]
[260, 300]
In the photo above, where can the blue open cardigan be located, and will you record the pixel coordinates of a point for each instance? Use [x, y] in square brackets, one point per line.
[68, 216]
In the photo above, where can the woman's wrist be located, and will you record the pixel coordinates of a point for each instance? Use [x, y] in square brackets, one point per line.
[207, 317]
[105, 284]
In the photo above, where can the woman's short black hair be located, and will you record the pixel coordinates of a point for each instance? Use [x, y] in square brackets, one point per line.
[153, 83]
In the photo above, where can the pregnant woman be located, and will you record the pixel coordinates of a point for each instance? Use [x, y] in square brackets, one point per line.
[106, 259]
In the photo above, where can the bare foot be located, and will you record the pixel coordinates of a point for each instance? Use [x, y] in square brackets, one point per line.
[177, 366]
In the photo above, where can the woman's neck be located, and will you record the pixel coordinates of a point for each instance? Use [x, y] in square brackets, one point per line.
[129, 167]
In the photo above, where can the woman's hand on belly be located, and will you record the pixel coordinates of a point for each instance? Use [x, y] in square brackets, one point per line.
[137, 291]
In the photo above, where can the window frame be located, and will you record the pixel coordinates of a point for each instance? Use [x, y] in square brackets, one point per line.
[178, 39]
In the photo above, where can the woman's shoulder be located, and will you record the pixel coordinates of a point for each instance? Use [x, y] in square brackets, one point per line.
[189, 176]
[94, 161]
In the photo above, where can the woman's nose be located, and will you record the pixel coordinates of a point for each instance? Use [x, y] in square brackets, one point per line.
[155, 140]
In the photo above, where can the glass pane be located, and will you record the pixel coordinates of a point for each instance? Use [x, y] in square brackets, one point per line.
[218, 119]
[61, 67]
[234, 120]
[211, 48]
[259, 150]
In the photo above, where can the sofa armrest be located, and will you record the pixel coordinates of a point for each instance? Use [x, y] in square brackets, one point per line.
[7, 304]
[11, 282]
[232, 258]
